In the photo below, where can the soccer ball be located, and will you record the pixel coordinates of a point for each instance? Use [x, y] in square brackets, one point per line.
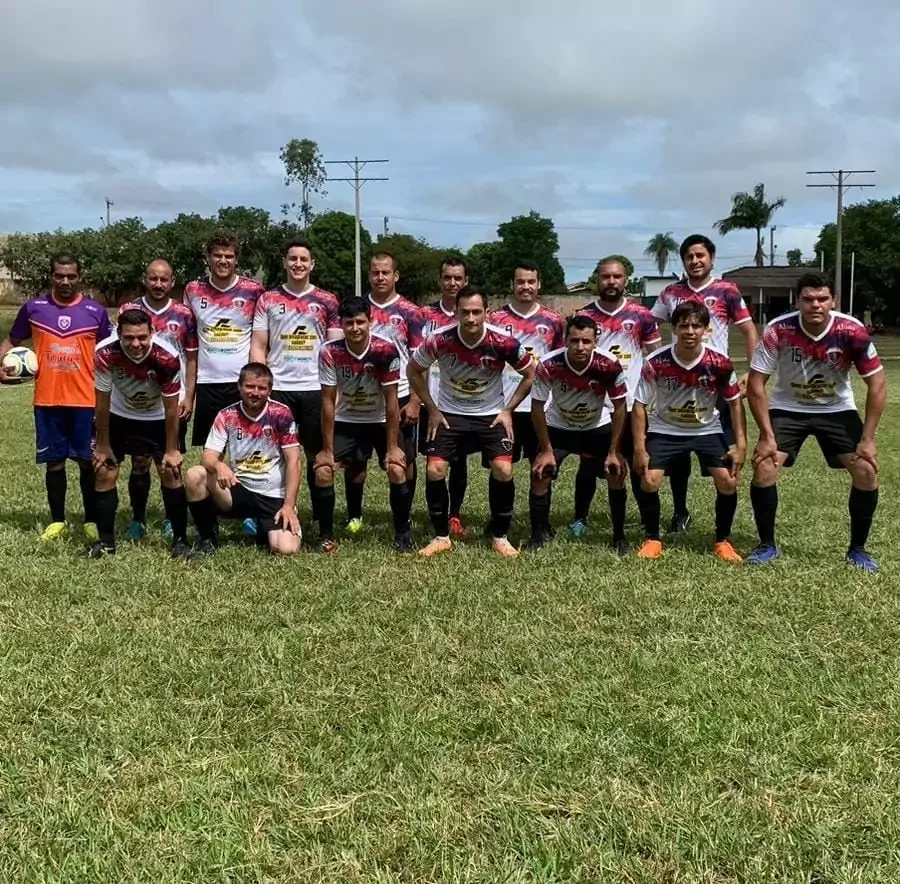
[23, 363]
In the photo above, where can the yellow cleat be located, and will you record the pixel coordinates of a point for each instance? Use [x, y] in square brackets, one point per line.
[54, 531]
[91, 532]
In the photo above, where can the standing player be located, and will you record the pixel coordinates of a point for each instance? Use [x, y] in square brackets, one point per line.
[469, 415]
[361, 414]
[627, 331]
[454, 278]
[576, 381]
[263, 479]
[138, 379]
[291, 324]
[400, 322]
[726, 307]
[174, 323]
[685, 381]
[812, 352]
[65, 327]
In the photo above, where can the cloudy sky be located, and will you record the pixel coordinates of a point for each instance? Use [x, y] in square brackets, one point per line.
[616, 120]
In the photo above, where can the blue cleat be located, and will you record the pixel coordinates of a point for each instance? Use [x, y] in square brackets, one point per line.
[248, 528]
[859, 558]
[136, 531]
[578, 528]
[763, 554]
[167, 530]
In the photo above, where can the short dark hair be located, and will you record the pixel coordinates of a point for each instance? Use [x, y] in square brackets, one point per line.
[351, 307]
[582, 323]
[224, 241]
[454, 261]
[257, 369]
[813, 280]
[697, 239]
[297, 244]
[135, 316]
[65, 258]
[689, 310]
[611, 259]
[469, 291]
[380, 255]
[527, 265]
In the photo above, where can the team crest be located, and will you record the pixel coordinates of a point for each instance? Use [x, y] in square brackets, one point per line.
[396, 320]
[488, 363]
[239, 303]
[151, 375]
[64, 322]
[628, 325]
[315, 308]
[543, 330]
[173, 326]
[267, 431]
[710, 301]
[834, 355]
[703, 381]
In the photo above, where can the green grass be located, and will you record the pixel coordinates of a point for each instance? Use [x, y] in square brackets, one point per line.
[569, 717]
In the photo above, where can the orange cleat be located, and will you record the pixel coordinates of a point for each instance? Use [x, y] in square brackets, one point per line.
[457, 529]
[505, 548]
[438, 545]
[650, 549]
[727, 553]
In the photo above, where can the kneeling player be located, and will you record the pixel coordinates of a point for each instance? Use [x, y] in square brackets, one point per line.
[684, 381]
[138, 381]
[576, 381]
[469, 415]
[361, 414]
[812, 352]
[260, 438]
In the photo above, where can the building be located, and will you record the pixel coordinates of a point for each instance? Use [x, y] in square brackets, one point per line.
[653, 287]
[768, 291]
[5, 275]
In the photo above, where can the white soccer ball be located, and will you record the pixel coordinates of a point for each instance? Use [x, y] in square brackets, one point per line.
[22, 361]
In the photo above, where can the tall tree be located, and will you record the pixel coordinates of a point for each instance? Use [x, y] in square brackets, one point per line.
[750, 211]
[251, 226]
[530, 237]
[660, 247]
[332, 236]
[303, 165]
[794, 257]
[419, 265]
[483, 259]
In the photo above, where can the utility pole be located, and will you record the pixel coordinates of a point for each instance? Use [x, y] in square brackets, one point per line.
[852, 279]
[840, 176]
[386, 219]
[357, 165]
[772, 230]
[109, 203]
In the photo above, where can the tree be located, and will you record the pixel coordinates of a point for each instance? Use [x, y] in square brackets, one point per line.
[622, 259]
[794, 258]
[419, 264]
[303, 165]
[251, 226]
[332, 236]
[483, 259]
[529, 237]
[115, 257]
[659, 247]
[750, 211]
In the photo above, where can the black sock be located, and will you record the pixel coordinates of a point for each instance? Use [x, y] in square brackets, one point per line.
[139, 494]
[862, 511]
[726, 507]
[539, 511]
[326, 511]
[636, 489]
[205, 518]
[679, 478]
[438, 499]
[501, 500]
[86, 481]
[105, 504]
[618, 503]
[401, 503]
[315, 493]
[354, 494]
[459, 480]
[585, 489]
[56, 483]
[175, 506]
[650, 514]
[765, 508]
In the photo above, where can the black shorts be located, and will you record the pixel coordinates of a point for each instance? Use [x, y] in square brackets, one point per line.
[247, 504]
[182, 436]
[711, 449]
[684, 462]
[306, 407]
[525, 440]
[211, 399]
[590, 445]
[355, 443]
[837, 433]
[470, 435]
[128, 436]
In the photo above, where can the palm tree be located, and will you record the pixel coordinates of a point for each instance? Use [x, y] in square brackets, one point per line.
[750, 211]
[659, 248]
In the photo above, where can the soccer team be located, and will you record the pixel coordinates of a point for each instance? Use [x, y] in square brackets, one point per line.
[262, 373]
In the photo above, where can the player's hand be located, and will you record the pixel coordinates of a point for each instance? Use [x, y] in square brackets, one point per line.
[505, 419]
[8, 373]
[103, 457]
[765, 449]
[225, 477]
[641, 461]
[185, 409]
[395, 456]
[544, 460]
[287, 518]
[435, 419]
[742, 383]
[614, 465]
[172, 461]
[325, 460]
[866, 451]
[409, 414]
[737, 457]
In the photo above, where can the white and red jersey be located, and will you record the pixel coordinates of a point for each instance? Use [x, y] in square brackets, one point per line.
[255, 446]
[686, 394]
[400, 322]
[578, 398]
[434, 316]
[359, 378]
[539, 332]
[625, 333]
[224, 323]
[137, 389]
[297, 326]
[814, 372]
[471, 380]
[723, 300]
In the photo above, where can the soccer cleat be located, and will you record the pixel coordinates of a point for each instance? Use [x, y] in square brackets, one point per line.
[650, 549]
[328, 545]
[763, 554]
[354, 526]
[505, 548]
[204, 548]
[403, 543]
[54, 531]
[457, 529]
[578, 528]
[91, 532]
[136, 531]
[680, 524]
[248, 528]
[535, 544]
[621, 547]
[438, 545]
[167, 530]
[727, 553]
[859, 558]
[99, 550]
[180, 549]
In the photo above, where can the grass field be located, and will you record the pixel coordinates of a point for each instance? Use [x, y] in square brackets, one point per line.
[568, 717]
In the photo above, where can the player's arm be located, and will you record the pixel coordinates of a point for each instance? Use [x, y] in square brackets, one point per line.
[738, 452]
[876, 397]
[20, 331]
[415, 325]
[102, 451]
[619, 420]
[325, 458]
[392, 425]
[639, 433]
[420, 362]
[190, 384]
[213, 457]
[172, 411]
[545, 456]
[259, 345]
[291, 456]
[524, 388]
